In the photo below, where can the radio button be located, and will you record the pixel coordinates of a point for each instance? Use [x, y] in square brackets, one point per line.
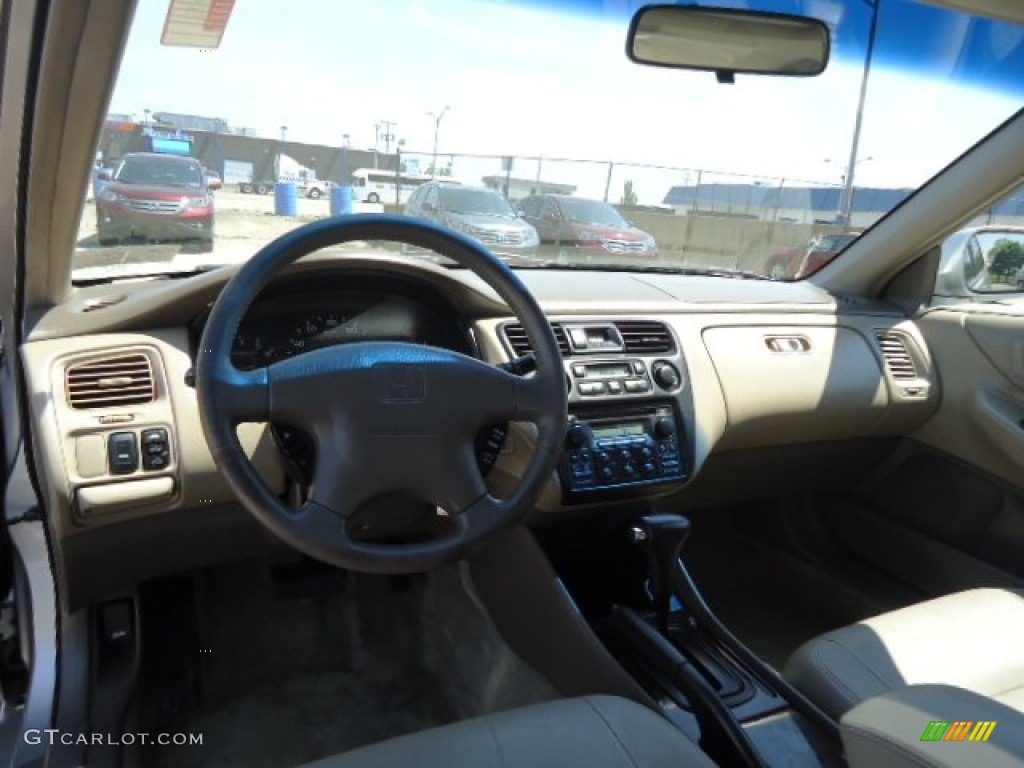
[637, 385]
[591, 387]
[614, 387]
[579, 370]
[638, 367]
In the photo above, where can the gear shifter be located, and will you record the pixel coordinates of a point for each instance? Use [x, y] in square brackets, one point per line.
[662, 536]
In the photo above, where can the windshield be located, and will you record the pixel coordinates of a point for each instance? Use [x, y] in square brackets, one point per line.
[137, 170]
[593, 212]
[475, 201]
[329, 107]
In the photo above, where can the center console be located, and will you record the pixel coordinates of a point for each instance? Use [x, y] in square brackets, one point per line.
[627, 385]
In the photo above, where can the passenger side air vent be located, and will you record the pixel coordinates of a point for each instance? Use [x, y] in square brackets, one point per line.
[516, 337]
[119, 380]
[896, 354]
[645, 337]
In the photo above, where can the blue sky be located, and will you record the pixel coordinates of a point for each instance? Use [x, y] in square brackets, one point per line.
[521, 81]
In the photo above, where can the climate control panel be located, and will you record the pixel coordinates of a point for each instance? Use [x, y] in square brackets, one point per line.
[622, 449]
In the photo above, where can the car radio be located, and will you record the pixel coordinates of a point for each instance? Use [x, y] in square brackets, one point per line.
[623, 449]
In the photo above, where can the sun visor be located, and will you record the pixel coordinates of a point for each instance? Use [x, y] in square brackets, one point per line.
[196, 23]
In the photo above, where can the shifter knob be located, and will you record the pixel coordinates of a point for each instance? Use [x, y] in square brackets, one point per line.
[662, 536]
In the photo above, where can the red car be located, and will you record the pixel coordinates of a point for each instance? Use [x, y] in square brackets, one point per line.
[800, 262]
[584, 227]
[156, 197]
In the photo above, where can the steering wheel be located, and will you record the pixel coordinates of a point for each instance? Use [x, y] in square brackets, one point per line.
[386, 417]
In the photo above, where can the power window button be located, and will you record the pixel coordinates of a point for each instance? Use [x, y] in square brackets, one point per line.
[122, 453]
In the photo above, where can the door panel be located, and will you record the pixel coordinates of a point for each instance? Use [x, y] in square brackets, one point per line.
[979, 357]
[945, 512]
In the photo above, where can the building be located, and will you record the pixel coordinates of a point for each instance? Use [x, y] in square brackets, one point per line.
[799, 204]
[515, 188]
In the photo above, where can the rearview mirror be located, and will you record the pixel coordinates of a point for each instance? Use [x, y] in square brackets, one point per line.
[728, 40]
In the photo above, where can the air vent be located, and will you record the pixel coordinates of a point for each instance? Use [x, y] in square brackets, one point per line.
[644, 337]
[515, 334]
[897, 355]
[111, 381]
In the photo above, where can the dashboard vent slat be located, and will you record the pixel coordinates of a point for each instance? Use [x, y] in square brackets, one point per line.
[517, 339]
[896, 355]
[118, 380]
[645, 337]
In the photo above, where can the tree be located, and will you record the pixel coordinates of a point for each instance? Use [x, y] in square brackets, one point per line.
[1007, 257]
[628, 195]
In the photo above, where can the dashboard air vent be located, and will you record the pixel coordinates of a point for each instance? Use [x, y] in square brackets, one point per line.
[897, 355]
[515, 334]
[111, 381]
[645, 337]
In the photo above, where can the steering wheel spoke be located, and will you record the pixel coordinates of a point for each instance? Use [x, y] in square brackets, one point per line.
[240, 395]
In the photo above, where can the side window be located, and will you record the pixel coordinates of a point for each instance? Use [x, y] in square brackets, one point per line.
[415, 198]
[529, 206]
[433, 198]
[549, 211]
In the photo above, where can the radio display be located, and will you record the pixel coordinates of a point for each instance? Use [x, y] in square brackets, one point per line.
[608, 369]
[625, 429]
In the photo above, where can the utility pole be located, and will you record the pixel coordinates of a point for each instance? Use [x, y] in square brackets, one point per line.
[846, 204]
[388, 136]
[437, 128]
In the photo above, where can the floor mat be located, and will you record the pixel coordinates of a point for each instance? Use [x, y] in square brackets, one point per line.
[281, 681]
[771, 598]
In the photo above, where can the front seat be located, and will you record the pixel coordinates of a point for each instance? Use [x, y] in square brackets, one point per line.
[972, 640]
[590, 732]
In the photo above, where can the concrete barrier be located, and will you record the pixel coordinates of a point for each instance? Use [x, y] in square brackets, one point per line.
[723, 241]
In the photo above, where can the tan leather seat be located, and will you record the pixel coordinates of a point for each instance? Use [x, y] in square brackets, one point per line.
[933, 726]
[594, 731]
[973, 640]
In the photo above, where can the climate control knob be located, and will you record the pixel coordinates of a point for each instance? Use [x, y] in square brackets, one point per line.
[577, 436]
[666, 375]
[664, 428]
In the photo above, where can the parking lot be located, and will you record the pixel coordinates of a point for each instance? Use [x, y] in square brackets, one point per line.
[246, 222]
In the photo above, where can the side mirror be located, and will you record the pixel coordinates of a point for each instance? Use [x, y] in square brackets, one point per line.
[214, 184]
[981, 264]
[105, 174]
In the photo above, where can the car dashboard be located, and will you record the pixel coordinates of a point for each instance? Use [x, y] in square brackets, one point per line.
[675, 383]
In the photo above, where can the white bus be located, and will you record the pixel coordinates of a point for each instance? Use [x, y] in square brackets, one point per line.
[376, 185]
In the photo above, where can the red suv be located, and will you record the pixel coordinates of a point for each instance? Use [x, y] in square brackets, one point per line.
[156, 197]
[575, 225]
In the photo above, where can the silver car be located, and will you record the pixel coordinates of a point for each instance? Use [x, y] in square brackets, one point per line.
[480, 213]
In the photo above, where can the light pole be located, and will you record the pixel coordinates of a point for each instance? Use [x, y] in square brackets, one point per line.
[846, 202]
[438, 116]
[845, 211]
[344, 159]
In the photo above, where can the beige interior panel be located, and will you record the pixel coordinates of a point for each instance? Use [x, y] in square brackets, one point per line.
[68, 439]
[977, 358]
[796, 384]
[1001, 338]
